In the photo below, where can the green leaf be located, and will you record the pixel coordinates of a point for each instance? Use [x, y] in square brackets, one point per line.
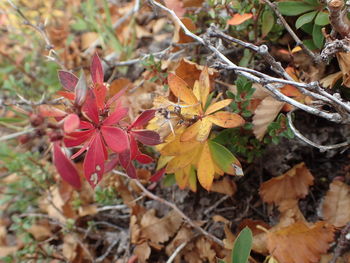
[305, 18]
[222, 157]
[294, 8]
[242, 246]
[322, 19]
[317, 36]
[10, 120]
[268, 20]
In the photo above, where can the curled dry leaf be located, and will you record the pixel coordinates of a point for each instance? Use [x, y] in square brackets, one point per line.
[294, 184]
[336, 206]
[299, 243]
[344, 64]
[264, 114]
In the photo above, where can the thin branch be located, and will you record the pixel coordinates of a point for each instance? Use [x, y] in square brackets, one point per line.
[174, 207]
[334, 117]
[338, 17]
[298, 41]
[322, 148]
[15, 135]
[343, 242]
[176, 252]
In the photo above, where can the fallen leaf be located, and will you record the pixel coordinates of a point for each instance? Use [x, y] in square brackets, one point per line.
[299, 243]
[264, 114]
[336, 205]
[294, 184]
[225, 186]
[176, 6]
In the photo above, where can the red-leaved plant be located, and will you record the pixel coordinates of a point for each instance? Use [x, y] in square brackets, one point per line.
[90, 122]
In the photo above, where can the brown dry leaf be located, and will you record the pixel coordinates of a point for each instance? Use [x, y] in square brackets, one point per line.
[159, 230]
[294, 184]
[264, 114]
[190, 72]
[331, 79]
[205, 249]
[142, 251]
[7, 250]
[336, 205]
[299, 243]
[87, 39]
[51, 208]
[40, 231]
[225, 186]
[184, 235]
[87, 210]
[192, 3]
[70, 246]
[344, 64]
[176, 6]
[180, 36]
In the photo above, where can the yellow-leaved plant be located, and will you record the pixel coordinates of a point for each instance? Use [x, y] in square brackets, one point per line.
[187, 151]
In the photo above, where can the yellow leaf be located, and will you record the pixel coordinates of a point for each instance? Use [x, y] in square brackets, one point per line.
[180, 89]
[177, 147]
[182, 160]
[182, 177]
[204, 86]
[191, 132]
[226, 119]
[204, 130]
[217, 106]
[206, 169]
[196, 90]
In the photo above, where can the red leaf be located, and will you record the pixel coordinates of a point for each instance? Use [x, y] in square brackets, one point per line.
[90, 108]
[144, 158]
[115, 138]
[96, 70]
[50, 111]
[109, 166]
[134, 148]
[77, 138]
[71, 123]
[94, 161]
[66, 94]
[147, 137]
[124, 158]
[81, 91]
[116, 116]
[157, 175]
[115, 97]
[86, 125]
[65, 167]
[82, 149]
[100, 91]
[68, 80]
[143, 119]
[131, 171]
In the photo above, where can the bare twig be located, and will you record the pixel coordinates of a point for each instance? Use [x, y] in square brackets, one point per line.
[334, 117]
[338, 17]
[41, 30]
[174, 207]
[343, 242]
[297, 40]
[15, 135]
[322, 148]
[108, 251]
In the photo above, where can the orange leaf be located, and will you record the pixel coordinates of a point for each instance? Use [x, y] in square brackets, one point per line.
[182, 160]
[336, 205]
[180, 89]
[294, 184]
[238, 19]
[299, 243]
[217, 106]
[206, 170]
[177, 146]
[226, 119]
[182, 176]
